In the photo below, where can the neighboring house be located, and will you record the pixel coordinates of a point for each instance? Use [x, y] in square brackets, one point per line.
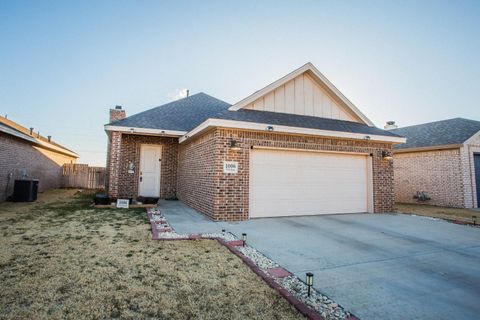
[295, 147]
[26, 154]
[441, 159]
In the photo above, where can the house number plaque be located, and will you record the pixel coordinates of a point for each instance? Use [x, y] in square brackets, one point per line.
[230, 167]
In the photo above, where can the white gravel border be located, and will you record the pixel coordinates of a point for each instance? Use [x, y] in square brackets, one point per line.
[258, 258]
[319, 302]
[327, 308]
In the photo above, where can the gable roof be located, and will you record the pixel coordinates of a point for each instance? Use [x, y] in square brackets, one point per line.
[440, 133]
[317, 76]
[180, 115]
[14, 129]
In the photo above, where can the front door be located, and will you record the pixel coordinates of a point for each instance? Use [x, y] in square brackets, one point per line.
[150, 165]
[476, 159]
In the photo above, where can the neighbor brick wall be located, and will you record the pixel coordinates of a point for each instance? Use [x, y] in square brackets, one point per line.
[438, 173]
[471, 147]
[230, 192]
[127, 149]
[39, 163]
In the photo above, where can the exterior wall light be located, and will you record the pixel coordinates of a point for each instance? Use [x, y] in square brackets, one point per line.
[387, 155]
[244, 238]
[270, 128]
[367, 138]
[234, 146]
[309, 282]
[474, 219]
[132, 130]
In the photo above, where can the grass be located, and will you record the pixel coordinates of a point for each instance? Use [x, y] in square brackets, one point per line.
[60, 258]
[438, 212]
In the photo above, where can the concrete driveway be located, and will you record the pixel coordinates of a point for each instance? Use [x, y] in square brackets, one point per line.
[377, 266]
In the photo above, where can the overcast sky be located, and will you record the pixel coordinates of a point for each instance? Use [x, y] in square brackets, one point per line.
[63, 64]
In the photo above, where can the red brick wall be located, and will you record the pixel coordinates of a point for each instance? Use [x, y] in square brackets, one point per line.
[198, 176]
[230, 192]
[126, 184]
[438, 173]
[17, 156]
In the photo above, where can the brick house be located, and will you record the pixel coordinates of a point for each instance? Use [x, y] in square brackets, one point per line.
[295, 147]
[24, 153]
[441, 159]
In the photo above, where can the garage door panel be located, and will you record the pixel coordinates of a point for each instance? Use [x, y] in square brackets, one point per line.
[286, 183]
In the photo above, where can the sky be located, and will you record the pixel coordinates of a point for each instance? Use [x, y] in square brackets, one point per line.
[63, 64]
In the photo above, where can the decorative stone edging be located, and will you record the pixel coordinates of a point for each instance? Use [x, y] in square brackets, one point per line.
[316, 307]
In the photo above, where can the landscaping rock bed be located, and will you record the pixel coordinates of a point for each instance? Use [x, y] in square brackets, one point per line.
[321, 303]
[258, 258]
[325, 307]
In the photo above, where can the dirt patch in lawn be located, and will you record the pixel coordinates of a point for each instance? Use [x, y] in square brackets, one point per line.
[60, 258]
[438, 212]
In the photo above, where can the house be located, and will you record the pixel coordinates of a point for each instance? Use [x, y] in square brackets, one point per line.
[26, 154]
[441, 159]
[295, 147]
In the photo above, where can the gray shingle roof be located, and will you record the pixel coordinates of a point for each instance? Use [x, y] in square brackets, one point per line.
[187, 113]
[293, 120]
[182, 115]
[439, 133]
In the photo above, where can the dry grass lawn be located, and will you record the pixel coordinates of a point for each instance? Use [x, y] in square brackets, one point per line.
[438, 212]
[60, 258]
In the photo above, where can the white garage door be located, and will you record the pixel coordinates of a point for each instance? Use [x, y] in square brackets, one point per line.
[289, 183]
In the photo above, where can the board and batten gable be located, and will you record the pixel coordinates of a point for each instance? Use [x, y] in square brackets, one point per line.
[304, 96]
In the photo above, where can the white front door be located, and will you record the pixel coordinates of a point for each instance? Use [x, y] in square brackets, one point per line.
[289, 183]
[150, 168]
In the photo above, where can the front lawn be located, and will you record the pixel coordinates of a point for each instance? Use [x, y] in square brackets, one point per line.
[464, 215]
[60, 258]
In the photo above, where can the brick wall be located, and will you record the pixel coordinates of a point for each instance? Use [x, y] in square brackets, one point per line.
[127, 149]
[18, 156]
[471, 147]
[198, 175]
[230, 192]
[438, 173]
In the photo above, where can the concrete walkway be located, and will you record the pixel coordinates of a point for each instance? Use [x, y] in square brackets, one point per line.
[377, 266]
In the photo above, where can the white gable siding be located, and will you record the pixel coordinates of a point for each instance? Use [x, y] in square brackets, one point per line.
[304, 96]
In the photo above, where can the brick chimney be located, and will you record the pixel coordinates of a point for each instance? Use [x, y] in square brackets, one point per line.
[117, 114]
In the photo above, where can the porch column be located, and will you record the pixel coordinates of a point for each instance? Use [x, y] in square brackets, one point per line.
[114, 163]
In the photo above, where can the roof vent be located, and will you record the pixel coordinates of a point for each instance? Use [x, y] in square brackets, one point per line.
[49, 138]
[188, 93]
[390, 125]
[31, 131]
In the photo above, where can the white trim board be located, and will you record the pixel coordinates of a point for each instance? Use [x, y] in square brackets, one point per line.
[316, 75]
[147, 131]
[286, 129]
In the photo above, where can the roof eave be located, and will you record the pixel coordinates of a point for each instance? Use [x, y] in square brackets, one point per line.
[428, 148]
[38, 142]
[254, 126]
[145, 131]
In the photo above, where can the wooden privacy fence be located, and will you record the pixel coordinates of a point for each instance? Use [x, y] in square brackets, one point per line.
[77, 175]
